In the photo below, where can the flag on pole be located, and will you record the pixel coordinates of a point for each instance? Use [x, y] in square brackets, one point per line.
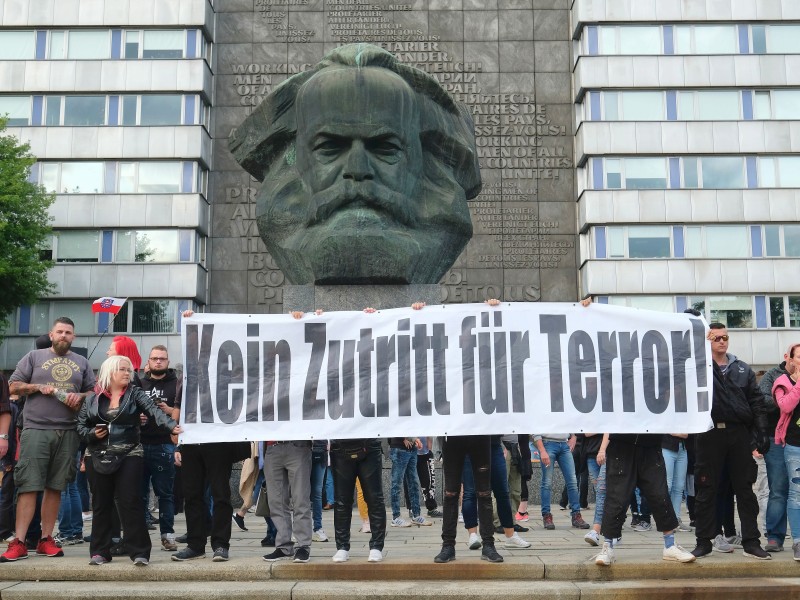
[108, 305]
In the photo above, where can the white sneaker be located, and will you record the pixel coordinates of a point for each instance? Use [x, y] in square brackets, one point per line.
[420, 521]
[720, 544]
[474, 541]
[341, 556]
[400, 522]
[319, 536]
[677, 554]
[734, 540]
[365, 527]
[592, 538]
[515, 542]
[375, 555]
[606, 556]
[460, 517]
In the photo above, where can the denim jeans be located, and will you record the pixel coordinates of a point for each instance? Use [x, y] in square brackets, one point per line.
[159, 467]
[328, 485]
[597, 475]
[778, 492]
[455, 451]
[319, 462]
[791, 455]
[404, 468]
[560, 452]
[70, 516]
[676, 464]
[499, 484]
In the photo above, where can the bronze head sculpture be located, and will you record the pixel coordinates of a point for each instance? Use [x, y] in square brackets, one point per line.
[366, 167]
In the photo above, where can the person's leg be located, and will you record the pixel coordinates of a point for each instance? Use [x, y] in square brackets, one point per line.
[318, 460]
[330, 479]
[193, 480]
[547, 476]
[652, 480]
[670, 458]
[363, 512]
[792, 460]
[479, 448]
[399, 461]
[514, 481]
[370, 472]
[103, 506]
[298, 473]
[345, 470]
[279, 496]
[453, 452]
[742, 470]
[711, 453]
[620, 483]
[129, 502]
[778, 480]
[761, 490]
[426, 474]
[163, 483]
[469, 500]
[567, 465]
[150, 453]
[7, 509]
[499, 485]
[679, 480]
[412, 484]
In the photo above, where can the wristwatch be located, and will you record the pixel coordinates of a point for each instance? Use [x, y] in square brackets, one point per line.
[3, 436]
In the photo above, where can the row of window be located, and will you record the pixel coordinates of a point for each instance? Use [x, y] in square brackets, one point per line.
[100, 44]
[735, 312]
[691, 172]
[691, 39]
[696, 241]
[136, 316]
[125, 246]
[98, 110]
[699, 105]
[110, 177]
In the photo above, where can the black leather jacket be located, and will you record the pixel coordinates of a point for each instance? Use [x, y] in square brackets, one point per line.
[124, 429]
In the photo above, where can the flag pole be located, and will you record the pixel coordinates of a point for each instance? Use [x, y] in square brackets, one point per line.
[110, 323]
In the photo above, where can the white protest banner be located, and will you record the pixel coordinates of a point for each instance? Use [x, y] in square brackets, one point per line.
[445, 370]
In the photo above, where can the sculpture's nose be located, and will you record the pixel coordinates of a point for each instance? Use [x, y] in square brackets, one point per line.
[358, 166]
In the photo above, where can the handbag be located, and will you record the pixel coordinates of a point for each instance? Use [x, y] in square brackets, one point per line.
[262, 504]
[106, 463]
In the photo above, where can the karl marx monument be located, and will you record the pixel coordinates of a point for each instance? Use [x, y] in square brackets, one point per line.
[366, 166]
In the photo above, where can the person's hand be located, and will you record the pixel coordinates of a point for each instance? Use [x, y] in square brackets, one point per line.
[177, 458]
[493, 302]
[165, 407]
[601, 457]
[418, 305]
[74, 400]
[586, 302]
[47, 390]
[297, 314]
[143, 419]
[762, 442]
[757, 454]
[544, 457]
[3, 447]
[418, 443]
[187, 313]
[100, 431]
[408, 444]
[571, 442]
[369, 310]
[177, 430]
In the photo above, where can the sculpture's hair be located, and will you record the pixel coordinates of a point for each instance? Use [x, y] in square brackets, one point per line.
[269, 132]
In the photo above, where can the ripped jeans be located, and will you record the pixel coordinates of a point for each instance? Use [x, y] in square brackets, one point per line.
[597, 477]
[455, 449]
[791, 454]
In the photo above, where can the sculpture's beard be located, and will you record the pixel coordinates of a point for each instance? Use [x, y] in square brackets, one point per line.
[362, 232]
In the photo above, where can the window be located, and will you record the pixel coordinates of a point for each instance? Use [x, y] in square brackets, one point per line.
[794, 311]
[723, 172]
[717, 241]
[787, 104]
[645, 173]
[788, 171]
[150, 177]
[789, 245]
[79, 311]
[153, 245]
[77, 246]
[705, 39]
[709, 106]
[642, 106]
[766, 172]
[783, 39]
[776, 313]
[17, 109]
[17, 45]
[761, 108]
[163, 44]
[73, 177]
[735, 312]
[613, 173]
[649, 242]
[658, 303]
[80, 45]
[147, 316]
[631, 40]
[161, 110]
[84, 110]
[791, 239]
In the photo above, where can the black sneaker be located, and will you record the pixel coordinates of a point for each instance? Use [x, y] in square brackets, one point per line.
[268, 541]
[276, 555]
[489, 553]
[182, 539]
[703, 548]
[187, 554]
[447, 554]
[239, 522]
[520, 529]
[754, 550]
[220, 554]
[301, 555]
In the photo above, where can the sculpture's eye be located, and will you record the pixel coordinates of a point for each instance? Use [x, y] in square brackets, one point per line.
[388, 148]
[329, 146]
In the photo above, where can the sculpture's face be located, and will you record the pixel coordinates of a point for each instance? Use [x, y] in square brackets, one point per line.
[362, 216]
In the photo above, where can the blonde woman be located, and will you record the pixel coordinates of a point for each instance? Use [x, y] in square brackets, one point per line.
[109, 423]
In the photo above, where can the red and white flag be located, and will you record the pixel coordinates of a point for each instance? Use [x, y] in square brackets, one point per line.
[108, 305]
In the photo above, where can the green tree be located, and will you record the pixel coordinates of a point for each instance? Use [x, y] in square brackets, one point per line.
[24, 227]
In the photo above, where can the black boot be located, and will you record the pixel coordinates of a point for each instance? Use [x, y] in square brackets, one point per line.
[703, 548]
[447, 554]
[489, 553]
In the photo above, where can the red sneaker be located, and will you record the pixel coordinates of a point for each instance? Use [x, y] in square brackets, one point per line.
[47, 547]
[16, 551]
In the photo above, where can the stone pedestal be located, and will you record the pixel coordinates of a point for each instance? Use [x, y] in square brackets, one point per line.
[357, 297]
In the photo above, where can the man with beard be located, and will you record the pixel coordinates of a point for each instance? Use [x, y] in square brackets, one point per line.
[367, 165]
[56, 381]
[164, 387]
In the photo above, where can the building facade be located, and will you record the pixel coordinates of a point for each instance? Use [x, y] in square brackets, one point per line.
[646, 152]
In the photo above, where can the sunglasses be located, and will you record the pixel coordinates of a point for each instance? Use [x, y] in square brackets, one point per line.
[721, 338]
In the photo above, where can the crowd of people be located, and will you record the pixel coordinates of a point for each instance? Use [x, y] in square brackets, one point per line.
[62, 427]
